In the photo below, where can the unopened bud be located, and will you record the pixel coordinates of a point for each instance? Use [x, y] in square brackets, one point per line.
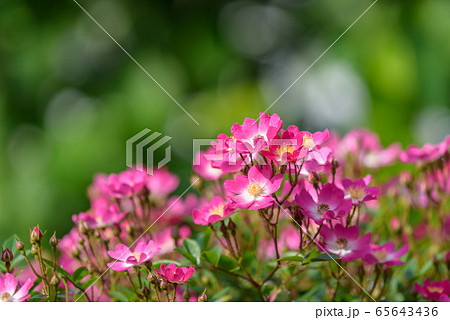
[447, 258]
[75, 252]
[34, 249]
[223, 228]
[7, 255]
[36, 235]
[152, 278]
[55, 281]
[53, 241]
[20, 245]
[231, 225]
[203, 297]
[83, 227]
[163, 284]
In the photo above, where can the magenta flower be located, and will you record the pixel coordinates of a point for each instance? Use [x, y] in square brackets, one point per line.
[385, 254]
[212, 212]
[435, 290]
[11, 291]
[284, 149]
[428, 153]
[311, 141]
[344, 242]
[254, 137]
[126, 259]
[358, 191]
[330, 203]
[226, 157]
[162, 183]
[174, 274]
[255, 190]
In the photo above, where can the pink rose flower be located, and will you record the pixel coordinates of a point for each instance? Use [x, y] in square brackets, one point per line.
[255, 190]
[11, 291]
[328, 205]
[162, 183]
[344, 242]
[174, 274]
[126, 259]
[385, 254]
[212, 212]
[435, 290]
[203, 165]
[358, 191]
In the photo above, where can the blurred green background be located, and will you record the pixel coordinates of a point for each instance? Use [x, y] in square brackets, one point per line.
[70, 98]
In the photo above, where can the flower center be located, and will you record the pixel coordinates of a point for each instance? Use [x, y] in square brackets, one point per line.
[258, 136]
[254, 189]
[380, 255]
[308, 141]
[137, 255]
[284, 148]
[356, 192]
[217, 211]
[435, 289]
[342, 243]
[322, 208]
[5, 297]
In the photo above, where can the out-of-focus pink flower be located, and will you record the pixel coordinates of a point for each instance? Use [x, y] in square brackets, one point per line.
[124, 184]
[174, 274]
[226, 157]
[435, 290]
[328, 205]
[162, 183]
[101, 216]
[203, 165]
[428, 153]
[253, 137]
[385, 254]
[255, 190]
[125, 258]
[212, 212]
[444, 298]
[311, 142]
[12, 291]
[344, 242]
[358, 191]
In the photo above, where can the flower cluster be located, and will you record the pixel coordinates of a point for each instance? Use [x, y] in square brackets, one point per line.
[270, 212]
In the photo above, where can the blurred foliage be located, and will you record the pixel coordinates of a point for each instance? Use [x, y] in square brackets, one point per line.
[70, 98]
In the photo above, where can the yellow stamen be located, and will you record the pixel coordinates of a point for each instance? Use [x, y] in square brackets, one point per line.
[308, 141]
[218, 211]
[435, 289]
[322, 208]
[356, 192]
[137, 255]
[284, 148]
[5, 297]
[254, 189]
[380, 255]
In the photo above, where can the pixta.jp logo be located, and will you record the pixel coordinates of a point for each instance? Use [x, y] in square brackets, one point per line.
[141, 148]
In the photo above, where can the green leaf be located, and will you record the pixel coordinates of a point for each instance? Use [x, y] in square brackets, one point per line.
[212, 257]
[187, 255]
[119, 296]
[227, 263]
[79, 274]
[299, 258]
[326, 257]
[192, 247]
[88, 283]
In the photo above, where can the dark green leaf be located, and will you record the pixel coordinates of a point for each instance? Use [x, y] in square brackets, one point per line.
[79, 274]
[292, 258]
[187, 255]
[326, 257]
[119, 296]
[211, 257]
[192, 247]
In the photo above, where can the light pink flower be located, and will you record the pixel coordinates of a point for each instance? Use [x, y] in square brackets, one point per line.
[358, 191]
[253, 137]
[226, 157]
[344, 242]
[124, 184]
[101, 216]
[311, 142]
[435, 290]
[174, 274]
[385, 254]
[162, 183]
[203, 165]
[11, 291]
[328, 205]
[126, 259]
[212, 212]
[255, 190]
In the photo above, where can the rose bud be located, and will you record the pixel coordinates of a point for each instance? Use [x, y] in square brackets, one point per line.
[53, 241]
[203, 297]
[20, 245]
[36, 235]
[7, 255]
